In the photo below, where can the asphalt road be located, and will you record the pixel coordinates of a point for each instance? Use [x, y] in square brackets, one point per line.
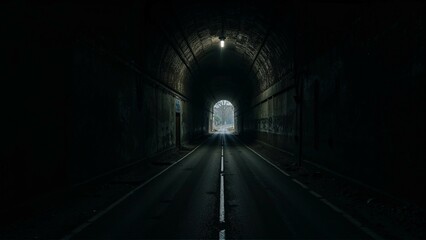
[185, 202]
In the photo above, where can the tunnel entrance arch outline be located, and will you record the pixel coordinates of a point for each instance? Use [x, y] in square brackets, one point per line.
[223, 116]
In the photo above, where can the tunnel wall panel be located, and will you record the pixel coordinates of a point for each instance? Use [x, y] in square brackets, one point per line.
[272, 120]
[34, 153]
[83, 113]
[364, 119]
[363, 100]
[110, 128]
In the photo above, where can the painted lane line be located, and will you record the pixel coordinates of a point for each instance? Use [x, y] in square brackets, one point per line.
[371, 233]
[301, 184]
[222, 198]
[279, 169]
[315, 194]
[276, 148]
[221, 164]
[110, 207]
[222, 201]
[366, 230]
[332, 206]
[352, 220]
[222, 235]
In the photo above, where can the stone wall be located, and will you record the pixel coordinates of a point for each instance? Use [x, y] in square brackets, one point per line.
[362, 96]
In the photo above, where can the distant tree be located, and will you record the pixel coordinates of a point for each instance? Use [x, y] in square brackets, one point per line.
[217, 120]
[223, 112]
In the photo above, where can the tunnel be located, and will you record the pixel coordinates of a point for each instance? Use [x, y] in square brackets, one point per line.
[91, 90]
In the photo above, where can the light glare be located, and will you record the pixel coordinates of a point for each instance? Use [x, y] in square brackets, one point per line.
[222, 43]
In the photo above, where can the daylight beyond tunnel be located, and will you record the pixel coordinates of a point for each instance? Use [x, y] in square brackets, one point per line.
[223, 116]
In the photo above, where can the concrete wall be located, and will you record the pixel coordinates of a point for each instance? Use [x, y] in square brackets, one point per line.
[117, 117]
[75, 106]
[34, 106]
[273, 116]
[363, 97]
[364, 101]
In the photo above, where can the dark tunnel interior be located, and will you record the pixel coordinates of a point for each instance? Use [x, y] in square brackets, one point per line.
[91, 89]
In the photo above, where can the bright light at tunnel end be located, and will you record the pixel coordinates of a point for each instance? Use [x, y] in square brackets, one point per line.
[222, 41]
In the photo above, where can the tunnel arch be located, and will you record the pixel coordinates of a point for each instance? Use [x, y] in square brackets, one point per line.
[256, 42]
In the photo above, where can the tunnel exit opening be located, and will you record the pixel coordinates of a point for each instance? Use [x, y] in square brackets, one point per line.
[223, 117]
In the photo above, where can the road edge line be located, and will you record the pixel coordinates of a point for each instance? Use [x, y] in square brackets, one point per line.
[91, 220]
[279, 169]
[347, 216]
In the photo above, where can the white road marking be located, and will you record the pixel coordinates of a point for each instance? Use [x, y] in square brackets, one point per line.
[221, 164]
[279, 169]
[315, 194]
[332, 206]
[371, 233]
[222, 197]
[352, 220]
[301, 184]
[279, 149]
[222, 235]
[366, 230]
[222, 200]
[106, 210]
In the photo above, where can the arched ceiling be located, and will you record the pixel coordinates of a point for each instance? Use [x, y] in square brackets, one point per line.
[187, 55]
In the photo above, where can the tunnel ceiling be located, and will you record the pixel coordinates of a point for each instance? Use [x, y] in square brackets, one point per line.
[187, 52]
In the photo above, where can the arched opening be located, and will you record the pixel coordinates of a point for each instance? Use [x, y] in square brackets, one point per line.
[223, 117]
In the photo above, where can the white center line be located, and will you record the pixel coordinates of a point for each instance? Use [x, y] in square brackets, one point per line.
[221, 164]
[222, 235]
[222, 201]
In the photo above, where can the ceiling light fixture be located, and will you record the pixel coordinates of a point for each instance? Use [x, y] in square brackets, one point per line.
[222, 41]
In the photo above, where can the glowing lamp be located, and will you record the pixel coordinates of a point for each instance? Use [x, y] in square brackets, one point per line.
[222, 41]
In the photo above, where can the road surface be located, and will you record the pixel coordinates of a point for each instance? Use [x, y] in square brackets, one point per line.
[195, 199]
